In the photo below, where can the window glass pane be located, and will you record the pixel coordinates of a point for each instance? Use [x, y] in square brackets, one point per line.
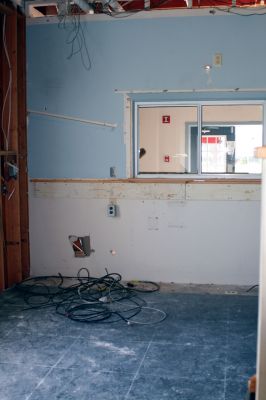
[229, 136]
[166, 143]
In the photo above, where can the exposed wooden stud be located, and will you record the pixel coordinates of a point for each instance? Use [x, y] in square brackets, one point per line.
[2, 261]
[14, 234]
[22, 147]
[11, 201]
[4, 9]
[8, 153]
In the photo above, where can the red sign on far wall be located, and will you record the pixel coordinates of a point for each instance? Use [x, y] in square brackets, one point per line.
[166, 119]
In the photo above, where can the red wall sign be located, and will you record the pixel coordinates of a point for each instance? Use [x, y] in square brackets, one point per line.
[166, 158]
[210, 139]
[166, 119]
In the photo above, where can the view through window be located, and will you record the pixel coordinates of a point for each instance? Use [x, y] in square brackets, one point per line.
[168, 140]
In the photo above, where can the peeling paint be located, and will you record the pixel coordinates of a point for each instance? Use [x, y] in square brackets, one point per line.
[234, 192]
[108, 190]
[150, 191]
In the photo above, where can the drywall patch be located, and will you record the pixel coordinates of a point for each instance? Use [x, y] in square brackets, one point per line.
[153, 223]
[175, 226]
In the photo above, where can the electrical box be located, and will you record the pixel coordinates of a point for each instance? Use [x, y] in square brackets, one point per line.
[81, 245]
[111, 210]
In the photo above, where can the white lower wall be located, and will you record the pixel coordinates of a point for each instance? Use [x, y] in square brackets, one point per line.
[185, 238]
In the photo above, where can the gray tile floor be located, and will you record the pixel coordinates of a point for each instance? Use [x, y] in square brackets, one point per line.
[205, 349]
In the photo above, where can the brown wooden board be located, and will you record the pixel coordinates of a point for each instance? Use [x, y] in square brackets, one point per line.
[225, 181]
[4, 9]
[11, 200]
[2, 275]
[22, 147]
[2, 265]
[14, 226]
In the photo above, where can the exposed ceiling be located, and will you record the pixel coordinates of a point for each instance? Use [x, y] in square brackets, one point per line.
[47, 8]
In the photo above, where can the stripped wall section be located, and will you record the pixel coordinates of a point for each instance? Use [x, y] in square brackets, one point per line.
[163, 232]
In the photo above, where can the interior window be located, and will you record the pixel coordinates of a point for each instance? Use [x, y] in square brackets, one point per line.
[229, 136]
[163, 137]
[168, 139]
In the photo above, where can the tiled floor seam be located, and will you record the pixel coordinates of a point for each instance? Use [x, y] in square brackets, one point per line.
[51, 369]
[226, 354]
[137, 372]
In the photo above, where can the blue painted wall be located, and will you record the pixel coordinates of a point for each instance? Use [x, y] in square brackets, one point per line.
[126, 54]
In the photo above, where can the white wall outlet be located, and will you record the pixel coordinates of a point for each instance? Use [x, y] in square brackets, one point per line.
[111, 210]
[112, 172]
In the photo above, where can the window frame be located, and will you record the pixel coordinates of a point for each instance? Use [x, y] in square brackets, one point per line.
[198, 105]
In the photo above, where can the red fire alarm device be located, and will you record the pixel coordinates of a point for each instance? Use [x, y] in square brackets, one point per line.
[166, 158]
[166, 119]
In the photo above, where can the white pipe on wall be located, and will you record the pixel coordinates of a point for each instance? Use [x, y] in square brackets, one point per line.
[84, 121]
[210, 90]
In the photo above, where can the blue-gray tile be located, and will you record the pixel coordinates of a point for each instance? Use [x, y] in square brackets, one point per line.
[191, 332]
[99, 355]
[48, 321]
[194, 307]
[73, 384]
[147, 387]
[182, 361]
[18, 381]
[113, 332]
[241, 316]
[240, 361]
[244, 308]
[5, 326]
[237, 388]
[32, 349]
[204, 338]
[243, 335]
[12, 298]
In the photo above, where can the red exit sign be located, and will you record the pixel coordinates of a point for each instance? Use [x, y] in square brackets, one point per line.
[166, 119]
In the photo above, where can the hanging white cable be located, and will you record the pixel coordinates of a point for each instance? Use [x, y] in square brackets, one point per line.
[8, 92]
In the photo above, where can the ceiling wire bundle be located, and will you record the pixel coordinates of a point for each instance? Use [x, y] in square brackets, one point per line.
[241, 9]
[128, 13]
[257, 9]
[10, 170]
[87, 299]
[70, 22]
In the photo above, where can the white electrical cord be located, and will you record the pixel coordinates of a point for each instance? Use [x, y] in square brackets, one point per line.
[131, 321]
[157, 310]
[8, 92]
